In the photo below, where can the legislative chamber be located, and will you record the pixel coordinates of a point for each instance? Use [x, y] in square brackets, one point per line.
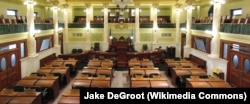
[50, 49]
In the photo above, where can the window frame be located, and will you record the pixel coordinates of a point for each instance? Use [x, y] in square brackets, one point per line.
[207, 43]
[39, 41]
[14, 10]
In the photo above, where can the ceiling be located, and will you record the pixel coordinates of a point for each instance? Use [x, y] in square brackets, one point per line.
[99, 3]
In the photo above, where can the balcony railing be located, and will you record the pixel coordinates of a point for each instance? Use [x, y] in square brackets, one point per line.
[243, 29]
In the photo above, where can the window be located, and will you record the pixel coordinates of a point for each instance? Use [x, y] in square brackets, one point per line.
[44, 43]
[35, 14]
[11, 12]
[236, 12]
[201, 43]
[20, 44]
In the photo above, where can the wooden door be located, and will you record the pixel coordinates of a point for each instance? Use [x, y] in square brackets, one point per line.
[234, 68]
[245, 72]
[10, 72]
[239, 69]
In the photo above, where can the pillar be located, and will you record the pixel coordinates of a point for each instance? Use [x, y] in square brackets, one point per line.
[178, 33]
[137, 23]
[65, 35]
[31, 28]
[215, 51]
[106, 27]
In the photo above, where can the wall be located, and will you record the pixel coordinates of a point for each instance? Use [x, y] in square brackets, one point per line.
[79, 12]
[21, 9]
[225, 10]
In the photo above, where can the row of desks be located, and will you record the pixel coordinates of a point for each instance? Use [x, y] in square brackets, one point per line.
[157, 82]
[70, 97]
[186, 71]
[86, 82]
[100, 63]
[62, 70]
[144, 71]
[44, 82]
[20, 97]
[140, 63]
[94, 71]
[206, 83]
[60, 62]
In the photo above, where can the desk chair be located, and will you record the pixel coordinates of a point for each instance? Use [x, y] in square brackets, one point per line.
[44, 91]
[152, 75]
[18, 88]
[72, 69]
[181, 81]
[62, 79]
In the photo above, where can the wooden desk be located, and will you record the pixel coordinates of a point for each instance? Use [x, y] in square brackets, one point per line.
[219, 84]
[136, 84]
[94, 64]
[51, 84]
[158, 79]
[159, 84]
[108, 72]
[198, 85]
[146, 63]
[91, 71]
[45, 71]
[57, 63]
[5, 99]
[134, 63]
[72, 93]
[63, 71]
[26, 82]
[69, 100]
[132, 72]
[23, 100]
[100, 83]
[72, 62]
[139, 79]
[177, 73]
[81, 83]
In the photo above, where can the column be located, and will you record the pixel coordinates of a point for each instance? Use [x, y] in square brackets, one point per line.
[88, 28]
[137, 23]
[155, 24]
[106, 27]
[31, 28]
[188, 26]
[178, 34]
[32, 55]
[65, 17]
[55, 22]
[215, 51]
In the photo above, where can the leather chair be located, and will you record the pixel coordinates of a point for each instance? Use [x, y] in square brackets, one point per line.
[18, 88]
[181, 81]
[152, 75]
[62, 79]
[72, 69]
[44, 91]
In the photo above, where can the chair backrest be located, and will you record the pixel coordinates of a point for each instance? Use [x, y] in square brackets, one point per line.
[18, 88]
[74, 50]
[79, 50]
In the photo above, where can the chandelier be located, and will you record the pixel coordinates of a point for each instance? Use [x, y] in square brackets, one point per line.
[122, 3]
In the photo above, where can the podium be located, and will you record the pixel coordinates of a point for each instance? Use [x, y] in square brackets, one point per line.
[121, 51]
